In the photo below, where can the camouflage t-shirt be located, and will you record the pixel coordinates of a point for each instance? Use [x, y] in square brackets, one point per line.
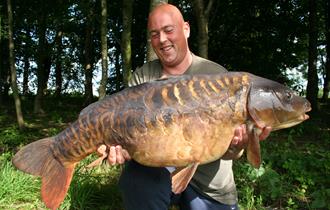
[214, 179]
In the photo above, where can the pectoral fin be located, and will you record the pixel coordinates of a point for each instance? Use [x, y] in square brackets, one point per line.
[253, 148]
[181, 177]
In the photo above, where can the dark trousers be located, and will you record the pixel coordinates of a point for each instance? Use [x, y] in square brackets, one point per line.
[148, 188]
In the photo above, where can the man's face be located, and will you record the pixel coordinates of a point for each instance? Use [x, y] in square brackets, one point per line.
[168, 35]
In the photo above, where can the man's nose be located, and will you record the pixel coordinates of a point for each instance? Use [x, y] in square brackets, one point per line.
[162, 36]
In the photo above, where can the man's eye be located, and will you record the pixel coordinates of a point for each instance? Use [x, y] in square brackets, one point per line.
[154, 34]
[168, 30]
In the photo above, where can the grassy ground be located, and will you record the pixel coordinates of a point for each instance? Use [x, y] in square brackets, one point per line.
[294, 174]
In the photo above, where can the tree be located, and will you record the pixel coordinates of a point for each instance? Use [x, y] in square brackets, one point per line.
[88, 60]
[326, 86]
[4, 64]
[104, 50]
[202, 18]
[59, 46]
[58, 63]
[126, 40]
[43, 61]
[14, 87]
[27, 65]
[312, 83]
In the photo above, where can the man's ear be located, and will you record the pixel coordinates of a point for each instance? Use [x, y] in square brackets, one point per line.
[186, 29]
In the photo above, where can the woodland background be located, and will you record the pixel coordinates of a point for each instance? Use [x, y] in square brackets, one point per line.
[56, 57]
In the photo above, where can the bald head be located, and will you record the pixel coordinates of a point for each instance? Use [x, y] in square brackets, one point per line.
[165, 9]
[169, 38]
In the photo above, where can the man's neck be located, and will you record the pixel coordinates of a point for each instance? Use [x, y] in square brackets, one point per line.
[179, 69]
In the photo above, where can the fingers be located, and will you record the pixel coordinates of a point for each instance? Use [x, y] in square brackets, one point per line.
[117, 155]
[240, 136]
[265, 133]
[102, 150]
[126, 155]
[112, 158]
[237, 136]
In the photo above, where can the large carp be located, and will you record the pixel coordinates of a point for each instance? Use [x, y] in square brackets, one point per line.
[181, 121]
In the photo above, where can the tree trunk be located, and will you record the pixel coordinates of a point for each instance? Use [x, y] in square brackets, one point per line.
[118, 73]
[202, 18]
[104, 50]
[58, 64]
[126, 40]
[326, 87]
[26, 71]
[43, 64]
[14, 87]
[151, 55]
[26, 75]
[312, 84]
[88, 63]
[4, 69]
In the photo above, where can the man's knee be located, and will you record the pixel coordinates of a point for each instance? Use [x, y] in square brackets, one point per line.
[145, 187]
[192, 200]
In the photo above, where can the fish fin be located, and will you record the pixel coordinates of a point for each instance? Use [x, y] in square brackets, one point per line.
[103, 152]
[253, 148]
[37, 159]
[96, 162]
[53, 190]
[181, 177]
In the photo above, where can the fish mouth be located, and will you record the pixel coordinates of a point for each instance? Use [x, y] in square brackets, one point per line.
[292, 122]
[286, 125]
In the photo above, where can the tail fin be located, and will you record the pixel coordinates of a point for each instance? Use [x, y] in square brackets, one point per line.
[37, 159]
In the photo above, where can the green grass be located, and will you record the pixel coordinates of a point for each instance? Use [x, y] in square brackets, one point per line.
[17, 190]
[90, 188]
[294, 174]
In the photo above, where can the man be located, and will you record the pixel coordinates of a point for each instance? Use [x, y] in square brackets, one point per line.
[148, 188]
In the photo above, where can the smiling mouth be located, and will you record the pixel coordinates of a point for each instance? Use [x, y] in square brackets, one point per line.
[166, 48]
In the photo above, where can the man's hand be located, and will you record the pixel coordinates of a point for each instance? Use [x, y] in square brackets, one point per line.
[114, 155]
[117, 155]
[240, 141]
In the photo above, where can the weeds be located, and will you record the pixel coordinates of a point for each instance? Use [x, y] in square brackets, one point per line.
[294, 174]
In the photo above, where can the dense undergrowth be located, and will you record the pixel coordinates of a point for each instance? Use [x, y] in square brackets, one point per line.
[295, 173]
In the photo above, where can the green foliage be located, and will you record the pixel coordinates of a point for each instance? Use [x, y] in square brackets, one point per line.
[321, 199]
[295, 170]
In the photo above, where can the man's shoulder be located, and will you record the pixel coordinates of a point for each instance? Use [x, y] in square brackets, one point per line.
[150, 66]
[147, 72]
[206, 66]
